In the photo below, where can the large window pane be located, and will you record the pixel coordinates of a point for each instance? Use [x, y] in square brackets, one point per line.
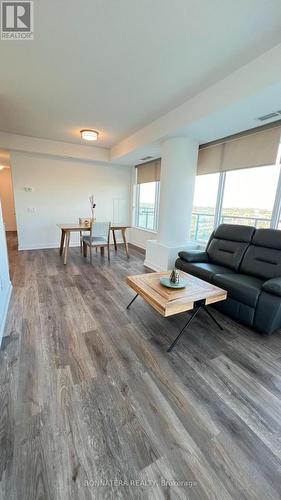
[204, 205]
[249, 196]
[146, 205]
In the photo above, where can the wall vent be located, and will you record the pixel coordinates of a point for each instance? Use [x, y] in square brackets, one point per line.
[270, 115]
[146, 158]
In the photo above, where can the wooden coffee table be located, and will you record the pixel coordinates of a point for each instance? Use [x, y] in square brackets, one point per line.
[197, 295]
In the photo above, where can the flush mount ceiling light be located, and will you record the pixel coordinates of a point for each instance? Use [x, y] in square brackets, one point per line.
[89, 135]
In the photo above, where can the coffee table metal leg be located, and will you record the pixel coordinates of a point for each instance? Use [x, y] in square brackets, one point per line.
[196, 311]
[132, 301]
[212, 317]
[182, 330]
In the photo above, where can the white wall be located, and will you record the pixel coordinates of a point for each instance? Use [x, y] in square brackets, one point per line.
[5, 284]
[61, 189]
[139, 237]
[7, 200]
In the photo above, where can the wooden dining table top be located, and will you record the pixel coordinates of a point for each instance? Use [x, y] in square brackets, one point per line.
[83, 227]
[115, 227]
[74, 227]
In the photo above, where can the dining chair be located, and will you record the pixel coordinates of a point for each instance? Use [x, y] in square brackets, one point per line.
[99, 238]
[87, 222]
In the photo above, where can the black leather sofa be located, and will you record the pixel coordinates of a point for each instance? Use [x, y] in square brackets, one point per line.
[247, 263]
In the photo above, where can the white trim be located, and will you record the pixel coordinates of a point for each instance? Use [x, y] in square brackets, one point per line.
[276, 210]
[6, 307]
[39, 246]
[136, 204]
[157, 206]
[137, 244]
[152, 266]
[219, 202]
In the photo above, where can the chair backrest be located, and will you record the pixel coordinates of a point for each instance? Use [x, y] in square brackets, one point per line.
[229, 243]
[263, 257]
[100, 230]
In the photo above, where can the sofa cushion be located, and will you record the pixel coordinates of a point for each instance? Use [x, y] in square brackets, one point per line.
[245, 289]
[227, 253]
[235, 232]
[270, 238]
[203, 270]
[229, 244]
[263, 257]
[194, 256]
[273, 286]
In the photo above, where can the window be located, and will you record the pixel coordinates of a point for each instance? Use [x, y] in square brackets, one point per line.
[204, 208]
[146, 212]
[249, 196]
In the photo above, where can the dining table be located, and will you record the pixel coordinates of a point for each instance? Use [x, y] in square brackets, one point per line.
[67, 229]
[123, 228]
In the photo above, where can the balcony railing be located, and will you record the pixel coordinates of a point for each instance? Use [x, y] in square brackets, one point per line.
[145, 217]
[203, 224]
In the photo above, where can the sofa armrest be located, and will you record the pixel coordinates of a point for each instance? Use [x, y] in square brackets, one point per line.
[194, 256]
[273, 286]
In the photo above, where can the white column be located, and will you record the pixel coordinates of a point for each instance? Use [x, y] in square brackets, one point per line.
[178, 172]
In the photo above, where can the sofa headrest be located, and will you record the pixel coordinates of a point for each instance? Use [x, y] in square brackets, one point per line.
[270, 238]
[234, 232]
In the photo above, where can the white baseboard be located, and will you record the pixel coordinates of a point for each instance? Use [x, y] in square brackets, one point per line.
[153, 267]
[40, 246]
[136, 244]
[5, 312]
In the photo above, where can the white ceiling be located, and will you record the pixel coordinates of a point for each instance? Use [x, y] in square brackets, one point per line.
[117, 65]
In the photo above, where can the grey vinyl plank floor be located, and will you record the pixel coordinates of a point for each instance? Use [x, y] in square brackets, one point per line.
[93, 407]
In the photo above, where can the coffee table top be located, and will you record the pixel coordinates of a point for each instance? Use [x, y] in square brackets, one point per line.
[171, 301]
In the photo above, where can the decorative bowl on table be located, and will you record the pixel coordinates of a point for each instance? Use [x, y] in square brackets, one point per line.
[165, 281]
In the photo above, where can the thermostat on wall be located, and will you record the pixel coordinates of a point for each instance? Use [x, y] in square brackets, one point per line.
[28, 188]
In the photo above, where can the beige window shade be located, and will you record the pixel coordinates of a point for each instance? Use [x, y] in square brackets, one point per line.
[148, 172]
[210, 159]
[253, 150]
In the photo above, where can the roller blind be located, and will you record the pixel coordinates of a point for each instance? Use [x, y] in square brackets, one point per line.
[148, 172]
[253, 150]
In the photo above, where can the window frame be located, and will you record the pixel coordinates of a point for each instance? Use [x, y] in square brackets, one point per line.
[156, 208]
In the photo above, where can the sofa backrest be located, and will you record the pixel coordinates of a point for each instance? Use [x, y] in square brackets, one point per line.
[263, 257]
[229, 243]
